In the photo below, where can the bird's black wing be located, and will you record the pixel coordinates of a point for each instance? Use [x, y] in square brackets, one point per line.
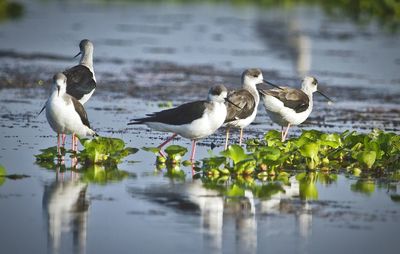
[81, 111]
[291, 98]
[183, 114]
[80, 81]
[245, 105]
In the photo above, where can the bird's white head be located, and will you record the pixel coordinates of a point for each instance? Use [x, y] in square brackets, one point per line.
[86, 50]
[59, 84]
[252, 77]
[218, 93]
[85, 46]
[309, 85]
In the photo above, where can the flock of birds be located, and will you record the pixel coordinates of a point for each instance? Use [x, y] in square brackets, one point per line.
[194, 120]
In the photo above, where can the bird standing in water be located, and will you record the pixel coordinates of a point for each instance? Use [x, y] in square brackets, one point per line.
[193, 120]
[289, 106]
[65, 114]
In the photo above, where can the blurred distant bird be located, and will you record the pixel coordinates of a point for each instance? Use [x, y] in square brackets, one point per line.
[66, 114]
[289, 106]
[193, 120]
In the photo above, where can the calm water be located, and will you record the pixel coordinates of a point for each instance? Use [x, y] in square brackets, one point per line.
[62, 212]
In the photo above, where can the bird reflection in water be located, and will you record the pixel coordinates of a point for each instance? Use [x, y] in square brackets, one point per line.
[66, 208]
[283, 203]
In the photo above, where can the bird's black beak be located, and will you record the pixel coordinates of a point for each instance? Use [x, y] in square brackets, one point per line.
[329, 99]
[227, 100]
[77, 54]
[58, 90]
[271, 84]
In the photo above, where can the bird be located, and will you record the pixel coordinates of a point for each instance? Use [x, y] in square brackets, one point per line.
[289, 106]
[65, 114]
[243, 109]
[192, 120]
[81, 80]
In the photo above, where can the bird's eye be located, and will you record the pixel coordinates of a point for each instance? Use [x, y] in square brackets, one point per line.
[255, 75]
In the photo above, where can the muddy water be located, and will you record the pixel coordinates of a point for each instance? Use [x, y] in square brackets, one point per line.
[174, 52]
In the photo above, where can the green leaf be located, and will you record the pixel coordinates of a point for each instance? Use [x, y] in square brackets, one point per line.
[245, 166]
[175, 150]
[3, 173]
[310, 150]
[213, 162]
[48, 154]
[154, 150]
[235, 152]
[367, 158]
[332, 140]
[268, 154]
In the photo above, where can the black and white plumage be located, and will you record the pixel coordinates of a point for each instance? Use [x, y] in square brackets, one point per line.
[65, 114]
[193, 120]
[81, 80]
[289, 106]
[246, 101]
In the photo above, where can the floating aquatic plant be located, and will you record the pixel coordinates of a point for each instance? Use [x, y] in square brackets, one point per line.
[3, 174]
[173, 160]
[100, 150]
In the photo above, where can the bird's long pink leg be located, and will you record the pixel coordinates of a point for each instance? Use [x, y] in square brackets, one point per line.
[192, 156]
[286, 133]
[193, 150]
[166, 142]
[241, 136]
[58, 144]
[227, 138]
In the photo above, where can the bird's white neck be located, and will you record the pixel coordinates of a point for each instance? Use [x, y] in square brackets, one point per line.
[309, 94]
[87, 59]
[253, 90]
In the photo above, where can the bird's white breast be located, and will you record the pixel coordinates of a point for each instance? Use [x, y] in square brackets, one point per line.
[63, 118]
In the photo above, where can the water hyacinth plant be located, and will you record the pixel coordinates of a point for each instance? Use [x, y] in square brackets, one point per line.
[100, 150]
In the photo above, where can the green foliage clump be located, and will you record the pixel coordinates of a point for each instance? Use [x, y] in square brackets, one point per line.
[106, 151]
[377, 152]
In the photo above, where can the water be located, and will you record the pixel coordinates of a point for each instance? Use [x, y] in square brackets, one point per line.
[157, 51]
